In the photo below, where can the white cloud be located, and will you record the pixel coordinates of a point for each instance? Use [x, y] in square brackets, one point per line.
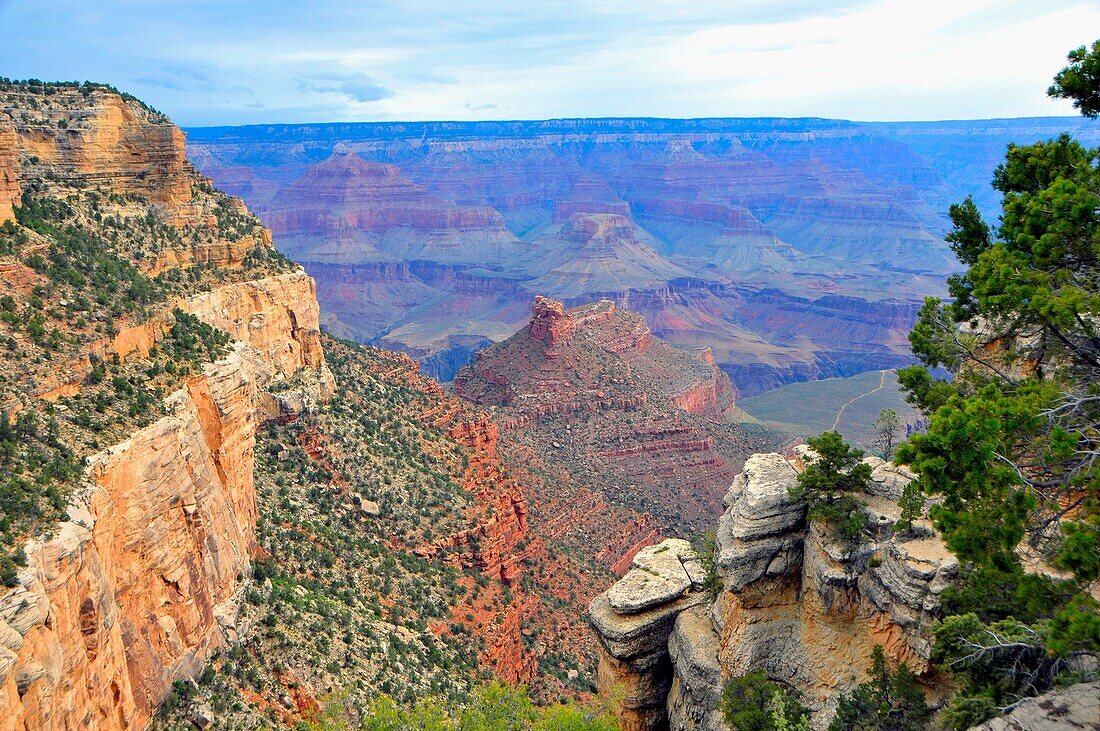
[468, 59]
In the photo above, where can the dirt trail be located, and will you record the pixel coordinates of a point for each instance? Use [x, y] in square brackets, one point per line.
[849, 402]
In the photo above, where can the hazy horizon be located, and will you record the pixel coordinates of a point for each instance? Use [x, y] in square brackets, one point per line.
[1078, 120]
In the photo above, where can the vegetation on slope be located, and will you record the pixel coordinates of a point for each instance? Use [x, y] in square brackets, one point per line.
[76, 267]
[351, 597]
[493, 707]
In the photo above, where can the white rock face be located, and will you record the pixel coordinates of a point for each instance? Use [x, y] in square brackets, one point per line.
[697, 680]
[1068, 709]
[658, 576]
[887, 478]
[633, 621]
[756, 535]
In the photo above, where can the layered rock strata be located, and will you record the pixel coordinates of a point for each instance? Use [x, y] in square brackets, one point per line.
[652, 426]
[138, 587]
[10, 190]
[794, 602]
[136, 584]
[634, 620]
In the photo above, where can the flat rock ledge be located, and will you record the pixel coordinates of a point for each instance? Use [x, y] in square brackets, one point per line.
[633, 621]
[659, 574]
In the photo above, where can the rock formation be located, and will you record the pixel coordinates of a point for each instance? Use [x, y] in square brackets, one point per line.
[128, 595]
[138, 583]
[1066, 709]
[10, 190]
[653, 427]
[761, 238]
[793, 602]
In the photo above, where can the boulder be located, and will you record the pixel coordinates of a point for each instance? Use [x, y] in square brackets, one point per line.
[1067, 709]
[658, 576]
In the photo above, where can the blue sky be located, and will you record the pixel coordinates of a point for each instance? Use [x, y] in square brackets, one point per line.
[249, 61]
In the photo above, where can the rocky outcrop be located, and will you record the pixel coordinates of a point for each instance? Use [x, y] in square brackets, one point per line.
[592, 390]
[1075, 708]
[794, 602]
[633, 621]
[140, 585]
[10, 190]
[549, 323]
[137, 583]
[95, 138]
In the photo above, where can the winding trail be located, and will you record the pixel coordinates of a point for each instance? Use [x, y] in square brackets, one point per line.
[849, 402]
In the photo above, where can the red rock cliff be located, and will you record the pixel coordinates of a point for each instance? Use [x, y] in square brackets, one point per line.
[138, 583]
[126, 596]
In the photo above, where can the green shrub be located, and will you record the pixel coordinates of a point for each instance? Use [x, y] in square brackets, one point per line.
[828, 483]
[890, 700]
[751, 702]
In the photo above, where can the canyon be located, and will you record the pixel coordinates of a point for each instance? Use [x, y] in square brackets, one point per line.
[652, 427]
[210, 470]
[795, 249]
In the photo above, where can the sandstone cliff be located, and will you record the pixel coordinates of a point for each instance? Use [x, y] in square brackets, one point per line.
[131, 576]
[126, 597]
[10, 190]
[793, 602]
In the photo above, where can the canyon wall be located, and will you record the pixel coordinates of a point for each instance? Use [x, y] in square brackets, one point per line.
[793, 602]
[10, 190]
[686, 221]
[136, 582]
[139, 586]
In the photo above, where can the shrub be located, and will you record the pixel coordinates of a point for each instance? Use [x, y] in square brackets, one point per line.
[888, 701]
[751, 702]
[831, 476]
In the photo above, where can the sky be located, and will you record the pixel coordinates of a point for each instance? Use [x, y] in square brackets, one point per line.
[214, 62]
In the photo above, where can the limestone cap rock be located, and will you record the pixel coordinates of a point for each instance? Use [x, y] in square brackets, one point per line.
[659, 575]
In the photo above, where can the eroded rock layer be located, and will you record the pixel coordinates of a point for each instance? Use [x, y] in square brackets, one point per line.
[126, 597]
[793, 602]
[759, 237]
[146, 311]
[651, 426]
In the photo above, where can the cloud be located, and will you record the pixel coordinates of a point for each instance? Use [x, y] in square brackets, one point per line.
[357, 87]
[365, 90]
[329, 60]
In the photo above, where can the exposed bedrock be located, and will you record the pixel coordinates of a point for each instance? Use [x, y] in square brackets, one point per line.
[140, 585]
[794, 602]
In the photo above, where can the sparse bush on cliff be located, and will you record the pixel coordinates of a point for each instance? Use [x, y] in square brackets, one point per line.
[1013, 441]
[886, 433]
[705, 547]
[494, 707]
[912, 507]
[827, 485]
[751, 702]
[890, 700]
